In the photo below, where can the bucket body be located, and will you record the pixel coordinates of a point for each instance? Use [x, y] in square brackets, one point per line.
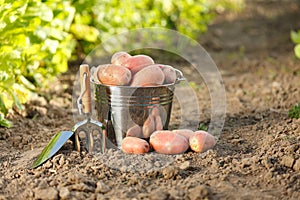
[132, 111]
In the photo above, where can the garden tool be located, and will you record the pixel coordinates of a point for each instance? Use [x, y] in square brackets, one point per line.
[86, 135]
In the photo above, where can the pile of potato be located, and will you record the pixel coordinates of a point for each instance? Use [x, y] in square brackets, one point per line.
[135, 71]
[170, 142]
[141, 71]
[153, 123]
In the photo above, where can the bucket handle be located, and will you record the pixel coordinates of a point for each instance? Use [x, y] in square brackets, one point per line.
[179, 76]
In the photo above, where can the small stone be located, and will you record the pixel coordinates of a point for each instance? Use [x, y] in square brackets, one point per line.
[102, 188]
[158, 194]
[34, 111]
[16, 139]
[43, 184]
[268, 176]
[170, 172]
[82, 187]
[5, 163]
[47, 194]
[199, 192]
[99, 196]
[287, 161]
[296, 166]
[185, 165]
[39, 101]
[64, 193]
[246, 162]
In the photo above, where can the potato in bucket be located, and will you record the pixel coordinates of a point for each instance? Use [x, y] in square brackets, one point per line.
[137, 108]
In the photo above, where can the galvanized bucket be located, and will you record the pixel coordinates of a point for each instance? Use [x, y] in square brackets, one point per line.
[120, 108]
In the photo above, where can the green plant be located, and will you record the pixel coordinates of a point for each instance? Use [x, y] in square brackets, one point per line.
[34, 47]
[99, 19]
[202, 126]
[294, 112]
[295, 36]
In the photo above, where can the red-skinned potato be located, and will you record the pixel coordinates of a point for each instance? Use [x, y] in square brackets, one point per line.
[137, 62]
[120, 57]
[166, 142]
[169, 72]
[111, 74]
[148, 76]
[184, 132]
[158, 123]
[157, 118]
[135, 131]
[134, 145]
[155, 109]
[148, 126]
[201, 141]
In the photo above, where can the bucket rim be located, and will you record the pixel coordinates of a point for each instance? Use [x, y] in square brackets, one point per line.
[132, 87]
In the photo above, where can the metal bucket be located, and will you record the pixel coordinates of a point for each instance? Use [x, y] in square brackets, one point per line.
[120, 108]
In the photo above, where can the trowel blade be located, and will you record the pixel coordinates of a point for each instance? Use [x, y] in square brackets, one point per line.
[57, 141]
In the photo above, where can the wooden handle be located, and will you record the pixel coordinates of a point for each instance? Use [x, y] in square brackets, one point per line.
[85, 85]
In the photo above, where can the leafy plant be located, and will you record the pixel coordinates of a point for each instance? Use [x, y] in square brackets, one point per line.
[99, 19]
[35, 45]
[295, 36]
[294, 112]
[202, 126]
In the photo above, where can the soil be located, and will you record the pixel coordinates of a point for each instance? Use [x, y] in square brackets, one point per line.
[257, 155]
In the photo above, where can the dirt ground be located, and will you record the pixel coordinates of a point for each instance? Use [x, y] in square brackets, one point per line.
[256, 157]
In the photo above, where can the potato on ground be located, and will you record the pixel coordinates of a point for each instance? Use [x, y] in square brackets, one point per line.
[184, 132]
[111, 74]
[201, 141]
[149, 76]
[120, 57]
[137, 62]
[135, 131]
[134, 145]
[166, 142]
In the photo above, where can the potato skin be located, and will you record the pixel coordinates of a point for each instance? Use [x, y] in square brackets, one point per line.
[148, 126]
[120, 57]
[170, 74]
[157, 118]
[111, 74]
[150, 75]
[137, 62]
[166, 142]
[134, 145]
[135, 131]
[201, 141]
[184, 132]
[158, 123]
[95, 75]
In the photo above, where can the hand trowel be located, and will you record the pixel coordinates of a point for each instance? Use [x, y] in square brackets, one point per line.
[93, 135]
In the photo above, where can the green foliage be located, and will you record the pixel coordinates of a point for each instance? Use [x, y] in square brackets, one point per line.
[202, 127]
[294, 112]
[295, 36]
[99, 19]
[35, 45]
